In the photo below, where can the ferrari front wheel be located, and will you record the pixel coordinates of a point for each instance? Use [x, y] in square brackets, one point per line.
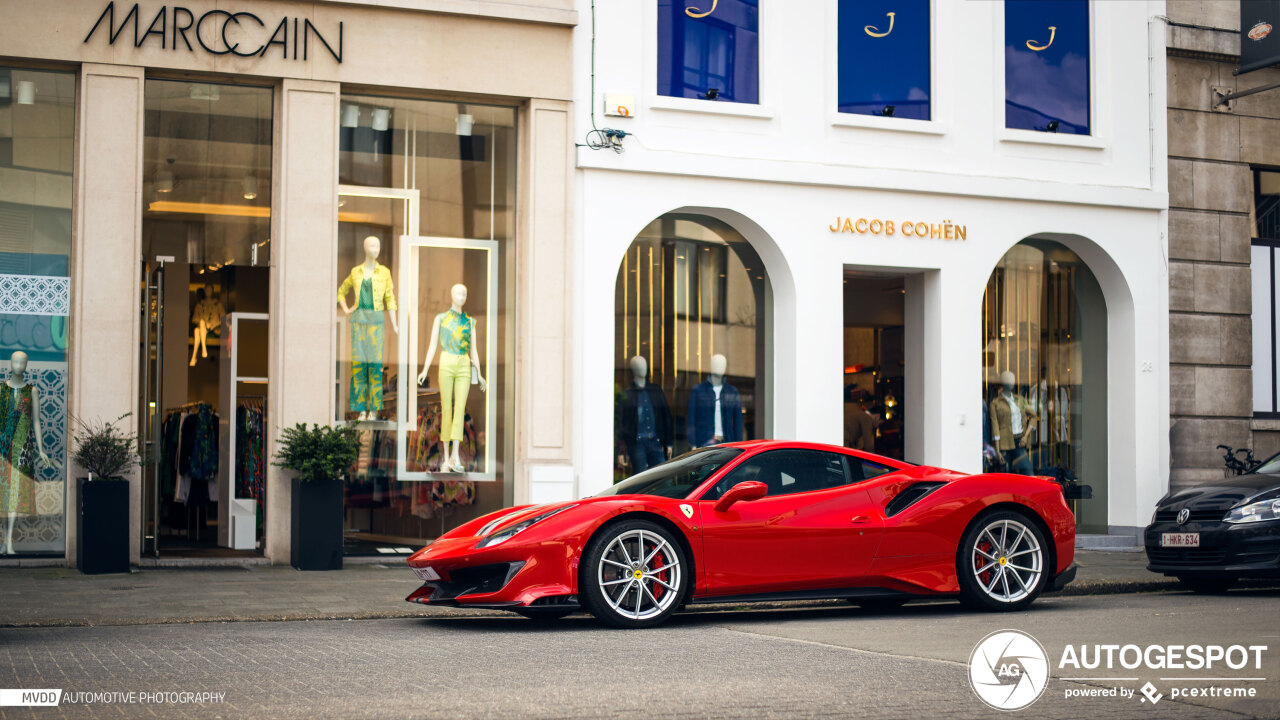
[1002, 562]
[633, 574]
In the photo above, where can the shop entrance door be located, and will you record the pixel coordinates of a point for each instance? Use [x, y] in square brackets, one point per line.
[875, 362]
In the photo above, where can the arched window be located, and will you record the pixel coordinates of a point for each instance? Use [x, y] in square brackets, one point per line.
[1044, 361]
[691, 295]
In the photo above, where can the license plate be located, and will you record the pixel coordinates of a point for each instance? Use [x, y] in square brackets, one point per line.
[1180, 540]
[427, 573]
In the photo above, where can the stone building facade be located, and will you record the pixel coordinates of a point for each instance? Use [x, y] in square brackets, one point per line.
[1214, 151]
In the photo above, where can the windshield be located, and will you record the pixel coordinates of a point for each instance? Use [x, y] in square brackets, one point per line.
[1270, 466]
[678, 478]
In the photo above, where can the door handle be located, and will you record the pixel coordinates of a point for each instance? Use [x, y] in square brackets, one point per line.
[860, 519]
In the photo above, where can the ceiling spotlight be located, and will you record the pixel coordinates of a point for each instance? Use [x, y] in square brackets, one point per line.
[350, 116]
[464, 122]
[250, 187]
[26, 92]
[381, 118]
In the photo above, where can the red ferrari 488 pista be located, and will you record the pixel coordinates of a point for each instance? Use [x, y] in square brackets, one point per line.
[761, 520]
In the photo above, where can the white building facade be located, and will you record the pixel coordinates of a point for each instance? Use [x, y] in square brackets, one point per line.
[902, 225]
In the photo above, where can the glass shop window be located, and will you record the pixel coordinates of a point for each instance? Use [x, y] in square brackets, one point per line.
[884, 64]
[709, 49]
[37, 129]
[1046, 65]
[690, 345]
[422, 314]
[1264, 264]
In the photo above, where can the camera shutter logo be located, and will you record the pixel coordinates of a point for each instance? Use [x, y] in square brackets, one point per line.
[1008, 670]
[1183, 516]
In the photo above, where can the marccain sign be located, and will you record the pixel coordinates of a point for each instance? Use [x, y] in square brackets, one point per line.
[217, 32]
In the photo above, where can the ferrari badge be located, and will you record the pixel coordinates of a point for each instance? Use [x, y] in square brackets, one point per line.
[687, 510]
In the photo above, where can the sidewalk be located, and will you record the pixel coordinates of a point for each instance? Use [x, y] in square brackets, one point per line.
[32, 597]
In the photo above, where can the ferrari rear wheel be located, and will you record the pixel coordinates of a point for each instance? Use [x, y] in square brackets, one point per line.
[1002, 562]
[633, 575]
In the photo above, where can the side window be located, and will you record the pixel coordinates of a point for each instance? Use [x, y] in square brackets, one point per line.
[786, 472]
[1046, 65]
[860, 470]
[709, 49]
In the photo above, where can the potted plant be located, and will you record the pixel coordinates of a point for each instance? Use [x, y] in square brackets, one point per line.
[106, 452]
[320, 457]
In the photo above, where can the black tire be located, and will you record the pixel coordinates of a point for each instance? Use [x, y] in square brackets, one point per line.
[655, 606]
[973, 593]
[543, 616]
[879, 604]
[1208, 585]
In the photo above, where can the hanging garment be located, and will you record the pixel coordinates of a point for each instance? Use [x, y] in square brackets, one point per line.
[17, 452]
[367, 332]
[250, 467]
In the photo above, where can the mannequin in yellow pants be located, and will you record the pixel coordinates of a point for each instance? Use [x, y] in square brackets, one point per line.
[453, 332]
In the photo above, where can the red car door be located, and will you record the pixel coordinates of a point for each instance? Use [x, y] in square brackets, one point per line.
[813, 530]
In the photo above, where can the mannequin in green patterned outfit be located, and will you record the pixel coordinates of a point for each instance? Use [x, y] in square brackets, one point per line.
[21, 445]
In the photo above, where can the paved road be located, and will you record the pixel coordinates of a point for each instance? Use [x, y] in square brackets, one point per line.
[832, 661]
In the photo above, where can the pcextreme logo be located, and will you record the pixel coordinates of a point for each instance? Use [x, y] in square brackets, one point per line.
[1008, 670]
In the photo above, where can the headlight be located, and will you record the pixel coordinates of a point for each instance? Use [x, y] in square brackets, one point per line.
[508, 533]
[1255, 512]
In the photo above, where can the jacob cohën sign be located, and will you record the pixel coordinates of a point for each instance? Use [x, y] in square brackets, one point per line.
[945, 230]
[217, 32]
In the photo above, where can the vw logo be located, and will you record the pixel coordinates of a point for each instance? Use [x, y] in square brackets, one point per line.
[1008, 670]
[1183, 516]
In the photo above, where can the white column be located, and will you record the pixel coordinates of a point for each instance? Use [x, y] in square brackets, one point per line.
[304, 237]
[544, 311]
[106, 266]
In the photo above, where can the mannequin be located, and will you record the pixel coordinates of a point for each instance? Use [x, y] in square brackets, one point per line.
[206, 317]
[643, 421]
[21, 445]
[375, 296]
[1012, 423]
[715, 409]
[458, 341]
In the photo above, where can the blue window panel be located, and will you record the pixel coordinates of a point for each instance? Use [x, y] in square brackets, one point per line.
[720, 51]
[884, 65]
[1046, 65]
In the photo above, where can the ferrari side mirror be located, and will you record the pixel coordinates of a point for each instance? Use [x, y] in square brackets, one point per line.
[749, 490]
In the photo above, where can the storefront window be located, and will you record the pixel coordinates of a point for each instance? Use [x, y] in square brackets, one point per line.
[690, 359]
[884, 65]
[37, 127]
[709, 50]
[206, 237]
[1046, 65]
[1044, 374]
[426, 255]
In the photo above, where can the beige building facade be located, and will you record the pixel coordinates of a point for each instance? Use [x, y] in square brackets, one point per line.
[195, 182]
[1222, 162]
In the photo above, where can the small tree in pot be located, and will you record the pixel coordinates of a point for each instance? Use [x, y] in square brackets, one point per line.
[320, 458]
[107, 452]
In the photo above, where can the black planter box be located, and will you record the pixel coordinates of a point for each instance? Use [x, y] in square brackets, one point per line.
[316, 532]
[102, 526]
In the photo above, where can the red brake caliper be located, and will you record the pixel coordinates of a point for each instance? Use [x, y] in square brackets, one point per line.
[657, 589]
[981, 564]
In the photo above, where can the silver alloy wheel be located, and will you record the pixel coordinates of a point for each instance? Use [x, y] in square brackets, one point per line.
[639, 574]
[1009, 555]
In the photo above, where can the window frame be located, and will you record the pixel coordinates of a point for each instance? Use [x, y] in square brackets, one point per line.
[1273, 245]
[741, 461]
[1099, 105]
[841, 117]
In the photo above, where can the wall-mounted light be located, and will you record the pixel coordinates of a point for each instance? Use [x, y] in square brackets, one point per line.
[381, 119]
[465, 123]
[250, 187]
[26, 92]
[350, 116]
[888, 110]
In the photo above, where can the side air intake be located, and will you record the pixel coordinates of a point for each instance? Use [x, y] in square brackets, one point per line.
[910, 496]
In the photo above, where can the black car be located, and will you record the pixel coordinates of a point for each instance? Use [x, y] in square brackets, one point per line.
[1211, 536]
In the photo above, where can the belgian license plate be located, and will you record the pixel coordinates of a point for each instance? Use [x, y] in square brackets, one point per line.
[1179, 539]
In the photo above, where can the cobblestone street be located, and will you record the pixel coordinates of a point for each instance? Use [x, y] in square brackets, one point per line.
[833, 661]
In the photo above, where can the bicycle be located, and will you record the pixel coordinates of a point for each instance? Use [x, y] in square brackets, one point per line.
[1234, 463]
